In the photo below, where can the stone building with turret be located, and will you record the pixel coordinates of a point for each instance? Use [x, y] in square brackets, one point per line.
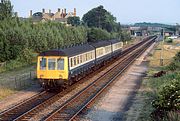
[61, 15]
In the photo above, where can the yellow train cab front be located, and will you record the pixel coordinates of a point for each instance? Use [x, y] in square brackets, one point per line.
[52, 67]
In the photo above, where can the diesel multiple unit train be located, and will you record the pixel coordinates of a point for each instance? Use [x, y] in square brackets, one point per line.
[63, 66]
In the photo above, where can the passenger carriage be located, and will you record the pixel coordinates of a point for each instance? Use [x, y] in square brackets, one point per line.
[62, 66]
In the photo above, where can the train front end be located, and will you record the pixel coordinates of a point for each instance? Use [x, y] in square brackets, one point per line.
[52, 71]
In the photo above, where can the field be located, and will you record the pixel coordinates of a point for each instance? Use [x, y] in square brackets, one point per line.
[168, 52]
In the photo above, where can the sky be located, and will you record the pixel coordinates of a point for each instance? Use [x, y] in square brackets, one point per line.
[126, 11]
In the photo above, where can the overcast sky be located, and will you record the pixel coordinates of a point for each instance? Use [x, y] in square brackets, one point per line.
[126, 11]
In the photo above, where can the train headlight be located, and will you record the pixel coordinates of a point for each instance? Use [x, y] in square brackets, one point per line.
[60, 76]
[41, 76]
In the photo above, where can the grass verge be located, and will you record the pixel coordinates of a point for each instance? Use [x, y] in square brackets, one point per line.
[155, 89]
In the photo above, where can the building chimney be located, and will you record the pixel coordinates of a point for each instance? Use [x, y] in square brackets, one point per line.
[74, 11]
[62, 14]
[30, 13]
[65, 11]
[59, 10]
[43, 10]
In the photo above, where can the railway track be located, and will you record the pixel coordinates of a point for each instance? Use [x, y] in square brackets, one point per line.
[71, 108]
[29, 108]
[24, 106]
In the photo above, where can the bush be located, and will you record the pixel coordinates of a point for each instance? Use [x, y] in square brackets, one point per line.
[26, 56]
[172, 116]
[175, 64]
[168, 40]
[96, 34]
[167, 98]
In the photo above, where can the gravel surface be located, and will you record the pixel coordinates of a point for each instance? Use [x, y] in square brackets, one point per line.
[18, 97]
[119, 98]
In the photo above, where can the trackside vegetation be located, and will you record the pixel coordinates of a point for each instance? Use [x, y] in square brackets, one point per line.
[163, 94]
[22, 39]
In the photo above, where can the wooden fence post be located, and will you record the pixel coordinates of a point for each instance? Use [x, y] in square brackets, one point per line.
[15, 83]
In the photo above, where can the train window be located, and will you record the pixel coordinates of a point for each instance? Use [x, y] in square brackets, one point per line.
[100, 52]
[60, 64]
[81, 59]
[71, 65]
[106, 49]
[91, 55]
[77, 59]
[86, 56]
[51, 63]
[74, 61]
[97, 53]
[42, 63]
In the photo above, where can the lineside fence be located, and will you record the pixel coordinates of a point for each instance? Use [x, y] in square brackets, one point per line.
[20, 82]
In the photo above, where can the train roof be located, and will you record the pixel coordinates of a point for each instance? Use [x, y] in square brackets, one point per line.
[75, 50]
[100, 43]
[71, 51]
[114, 41]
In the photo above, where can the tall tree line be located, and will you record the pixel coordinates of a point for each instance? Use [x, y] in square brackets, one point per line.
[15, 36]
[19, 38]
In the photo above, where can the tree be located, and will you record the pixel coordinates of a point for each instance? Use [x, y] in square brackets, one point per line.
[125, 36]
[6, 9]
[100, 18]
[74, 21]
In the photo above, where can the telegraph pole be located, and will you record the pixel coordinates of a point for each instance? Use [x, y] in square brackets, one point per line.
[162, 49]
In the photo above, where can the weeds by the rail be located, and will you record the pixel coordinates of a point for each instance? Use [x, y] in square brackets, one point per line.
[5, 92]
[163, 94]
[159, 98]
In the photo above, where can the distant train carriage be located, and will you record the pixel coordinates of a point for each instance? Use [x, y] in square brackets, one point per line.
[58, 67]
[102, 51]
[116, 47]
